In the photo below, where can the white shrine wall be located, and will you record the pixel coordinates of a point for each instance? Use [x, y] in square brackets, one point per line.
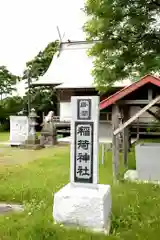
[65, 111]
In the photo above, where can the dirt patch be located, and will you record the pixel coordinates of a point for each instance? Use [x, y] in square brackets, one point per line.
[17, 156]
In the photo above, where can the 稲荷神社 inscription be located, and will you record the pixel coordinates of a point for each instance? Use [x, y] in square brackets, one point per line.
[83, 152]
[84, 145]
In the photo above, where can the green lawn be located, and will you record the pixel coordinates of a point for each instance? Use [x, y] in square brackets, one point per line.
[135, 211]
[4, 136]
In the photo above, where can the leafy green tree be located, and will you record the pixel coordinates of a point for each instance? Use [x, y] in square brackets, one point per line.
[39, 65]
[7, 81]
[2, 115]
[128, 37]
[9, 106]
[42, 98]
[12, 105]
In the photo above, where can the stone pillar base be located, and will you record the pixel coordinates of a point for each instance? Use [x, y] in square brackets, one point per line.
[84, 205]
[32, 143]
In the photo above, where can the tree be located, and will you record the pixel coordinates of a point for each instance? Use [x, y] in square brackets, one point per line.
[9, 106]
[128, 38]
[39, 65]
[7, 81]
[12, 105]
[42, 98]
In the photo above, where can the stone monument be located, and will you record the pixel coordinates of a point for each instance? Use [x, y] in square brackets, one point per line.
[19, 129]
[83, 202]
[48, 132]
[147, 163]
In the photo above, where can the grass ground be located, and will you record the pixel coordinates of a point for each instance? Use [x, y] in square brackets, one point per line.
[4, 136]
[135, 211]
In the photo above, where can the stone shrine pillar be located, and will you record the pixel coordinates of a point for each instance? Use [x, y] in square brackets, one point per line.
[83, 202]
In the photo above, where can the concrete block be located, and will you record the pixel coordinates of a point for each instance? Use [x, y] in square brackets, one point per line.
[84, 205]
[148, 161]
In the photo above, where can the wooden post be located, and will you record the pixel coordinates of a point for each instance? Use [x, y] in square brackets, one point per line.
[115, 142]
[125, 136]
[29, 97]
[58, 93]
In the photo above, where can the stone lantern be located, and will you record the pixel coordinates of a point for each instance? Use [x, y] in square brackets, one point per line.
[32, 124]
[32, 142]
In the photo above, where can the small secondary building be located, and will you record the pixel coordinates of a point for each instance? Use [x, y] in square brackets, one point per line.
[70, 74]
[145, 94]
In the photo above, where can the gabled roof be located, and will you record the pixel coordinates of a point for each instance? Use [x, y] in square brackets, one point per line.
[129, 89]
[72, 68]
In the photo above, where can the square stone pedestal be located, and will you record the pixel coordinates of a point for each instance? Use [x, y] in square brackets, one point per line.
[32, 143]
[84, 205]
